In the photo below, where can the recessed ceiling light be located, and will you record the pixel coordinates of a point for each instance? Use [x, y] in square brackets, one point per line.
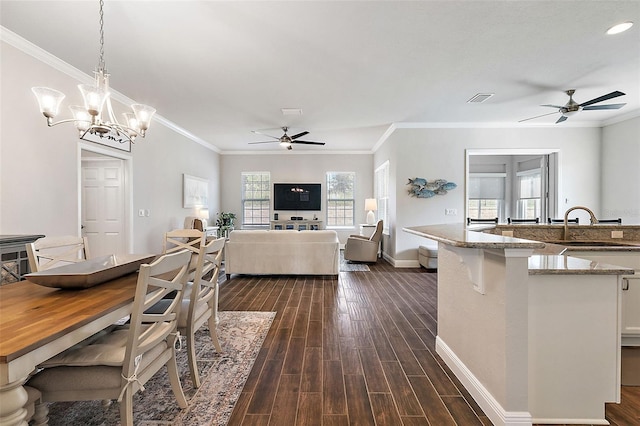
[616, 29]
[291, 111]
[479, 98]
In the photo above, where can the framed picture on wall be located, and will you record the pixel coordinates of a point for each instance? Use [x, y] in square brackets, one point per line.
[195, 191]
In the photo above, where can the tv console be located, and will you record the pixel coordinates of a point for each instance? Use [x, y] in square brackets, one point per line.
[297, 225]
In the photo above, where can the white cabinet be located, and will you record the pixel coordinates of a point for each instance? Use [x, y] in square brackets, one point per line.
[631, 310]
[630, 324]
[211, 231]
[297, 225]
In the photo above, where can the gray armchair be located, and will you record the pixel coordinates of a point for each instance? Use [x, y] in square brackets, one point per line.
[363, 249]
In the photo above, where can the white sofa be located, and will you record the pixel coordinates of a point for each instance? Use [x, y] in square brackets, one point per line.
[269, 252]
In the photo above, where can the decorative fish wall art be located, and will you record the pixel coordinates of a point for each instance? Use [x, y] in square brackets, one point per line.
[421, 188]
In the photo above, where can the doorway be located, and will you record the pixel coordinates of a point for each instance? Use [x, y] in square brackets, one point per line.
[503, 183]
[105, 201]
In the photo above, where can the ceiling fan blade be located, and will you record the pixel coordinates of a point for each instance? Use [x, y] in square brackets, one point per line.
[538, 116]
[610, 106]
[251, 143]
[299, 135]
[308, 142]
[561, 119]
[553, 106]
[264, 134]
[603, 98]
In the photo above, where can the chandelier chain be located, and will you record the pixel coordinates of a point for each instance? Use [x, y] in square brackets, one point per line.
[101, 59]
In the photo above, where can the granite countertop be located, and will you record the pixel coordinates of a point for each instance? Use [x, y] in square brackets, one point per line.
[548, 258]
[458, 235]
[568, 265]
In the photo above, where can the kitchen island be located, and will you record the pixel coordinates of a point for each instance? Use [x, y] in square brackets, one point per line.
[535, 338]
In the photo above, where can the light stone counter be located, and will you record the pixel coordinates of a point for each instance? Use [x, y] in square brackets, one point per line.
[534, 336]
[458, 235]
[566, 265]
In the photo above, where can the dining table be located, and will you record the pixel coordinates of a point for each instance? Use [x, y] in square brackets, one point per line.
[38, 322]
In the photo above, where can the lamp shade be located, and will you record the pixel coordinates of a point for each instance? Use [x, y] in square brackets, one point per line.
[370, 204]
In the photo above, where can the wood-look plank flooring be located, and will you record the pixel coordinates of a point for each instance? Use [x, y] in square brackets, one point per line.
[359, 350]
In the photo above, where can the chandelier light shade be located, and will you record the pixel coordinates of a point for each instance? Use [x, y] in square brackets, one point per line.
[371, 205]
[92, 117]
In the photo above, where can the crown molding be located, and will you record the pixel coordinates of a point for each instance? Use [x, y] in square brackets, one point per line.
[58, 64]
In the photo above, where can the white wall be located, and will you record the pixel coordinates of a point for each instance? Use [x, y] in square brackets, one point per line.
[39, 169]
[439, 153]
[290, 166]
[621, 171]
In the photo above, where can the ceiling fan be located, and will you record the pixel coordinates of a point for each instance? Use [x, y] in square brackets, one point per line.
[285, 140]
[572, 107]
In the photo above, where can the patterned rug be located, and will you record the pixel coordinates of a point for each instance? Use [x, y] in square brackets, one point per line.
[223, 376]
[346, 266]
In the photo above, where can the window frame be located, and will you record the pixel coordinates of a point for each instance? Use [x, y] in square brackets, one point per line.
[329, 222]
[381, 194]
[243, 200]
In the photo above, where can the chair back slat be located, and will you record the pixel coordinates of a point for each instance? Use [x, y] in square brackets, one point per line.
[50, 252]
[165, 275]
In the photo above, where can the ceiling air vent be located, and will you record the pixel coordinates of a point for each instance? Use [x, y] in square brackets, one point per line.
[480, 98]
[291, 111]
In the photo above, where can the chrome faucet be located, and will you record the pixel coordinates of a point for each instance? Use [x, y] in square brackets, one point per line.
[592, 219]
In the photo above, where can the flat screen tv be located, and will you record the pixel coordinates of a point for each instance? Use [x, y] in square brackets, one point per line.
[297, 196]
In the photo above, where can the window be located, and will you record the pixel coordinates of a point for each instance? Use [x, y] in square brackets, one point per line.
[529, 194]
[486, 195]
[256, 190]
[381, 192]
[340, 199]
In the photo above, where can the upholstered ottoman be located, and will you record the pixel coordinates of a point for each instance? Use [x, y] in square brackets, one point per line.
[428, 257]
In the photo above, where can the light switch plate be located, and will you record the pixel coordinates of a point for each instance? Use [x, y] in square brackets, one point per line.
[450, 212]
[507, 233]
[617, 234]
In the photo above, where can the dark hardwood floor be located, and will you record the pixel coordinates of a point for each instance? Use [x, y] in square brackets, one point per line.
[359, 350]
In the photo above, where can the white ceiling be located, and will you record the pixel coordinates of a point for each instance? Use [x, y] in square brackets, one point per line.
[220, 69]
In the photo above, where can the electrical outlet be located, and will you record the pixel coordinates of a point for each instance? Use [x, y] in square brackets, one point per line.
[617, 234]
[450, 212]
[507, 233]
[141, 212]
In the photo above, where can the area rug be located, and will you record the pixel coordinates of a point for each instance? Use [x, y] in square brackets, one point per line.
[223, 376]
[346, 266]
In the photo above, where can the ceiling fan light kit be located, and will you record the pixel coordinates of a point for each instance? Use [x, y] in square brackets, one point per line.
[572, 107]
[620, 28]
[89, 118]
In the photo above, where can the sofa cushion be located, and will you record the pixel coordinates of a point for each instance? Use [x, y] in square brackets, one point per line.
[285, 252]
[269, 236]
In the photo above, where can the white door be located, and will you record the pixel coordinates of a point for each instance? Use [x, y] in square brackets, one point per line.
[103, 205]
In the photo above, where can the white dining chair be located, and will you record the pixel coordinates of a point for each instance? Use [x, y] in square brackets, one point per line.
[49, 252]
[118, 364]
[200, 302]
[185, 239]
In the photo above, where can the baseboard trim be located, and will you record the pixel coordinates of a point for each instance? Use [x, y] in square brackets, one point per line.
[571, 421]
[480, 394]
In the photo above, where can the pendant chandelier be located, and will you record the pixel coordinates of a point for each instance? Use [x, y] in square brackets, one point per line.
[91, 118]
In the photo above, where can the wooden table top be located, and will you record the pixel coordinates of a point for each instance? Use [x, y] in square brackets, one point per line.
[32, 315]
